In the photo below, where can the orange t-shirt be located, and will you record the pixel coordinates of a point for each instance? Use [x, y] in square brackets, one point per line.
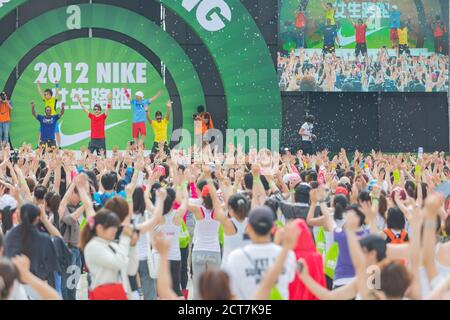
[5, 112]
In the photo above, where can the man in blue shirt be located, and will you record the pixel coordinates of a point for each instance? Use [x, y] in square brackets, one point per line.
[330, 37]
[48, 125]
[139, 104]
[394, 24]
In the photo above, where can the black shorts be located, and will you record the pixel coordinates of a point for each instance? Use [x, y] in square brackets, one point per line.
[329, 49]
[361, 48]
[96, 145]
[51, 144]
[403, 48]
[155, 148]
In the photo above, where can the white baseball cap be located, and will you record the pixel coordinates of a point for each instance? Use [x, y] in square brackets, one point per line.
[8, 201]
[140, 94]
[394, 7]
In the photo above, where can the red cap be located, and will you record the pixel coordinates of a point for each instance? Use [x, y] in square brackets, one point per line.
[205, 191]
[341, 190]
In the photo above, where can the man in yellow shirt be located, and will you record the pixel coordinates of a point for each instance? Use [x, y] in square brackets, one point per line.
[159, 127]
[51, 102]
[329, 12]
[403, 40]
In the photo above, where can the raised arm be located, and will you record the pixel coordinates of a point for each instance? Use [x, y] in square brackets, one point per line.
[164, 283]
[127, 94]
[47, 224]
[156, 96]
[169, 109]
[148, 115]
[44, 291]
[40, 89]
[156, 218]
[63, 109]
[109, 106]
[81, 104]
[33, 110]
[219, 215]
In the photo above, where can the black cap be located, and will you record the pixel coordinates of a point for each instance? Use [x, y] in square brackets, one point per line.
[373, 242]
[261, 219]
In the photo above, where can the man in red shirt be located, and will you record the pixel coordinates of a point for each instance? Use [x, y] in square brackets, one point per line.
[300, 24]
[98, 120]
[361, 43]
[438, 32]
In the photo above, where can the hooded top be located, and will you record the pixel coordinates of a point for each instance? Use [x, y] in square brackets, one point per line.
[306, 249]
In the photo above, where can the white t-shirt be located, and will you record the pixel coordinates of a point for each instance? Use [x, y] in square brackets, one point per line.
[308, 128]
[235, 241]
[247, 266]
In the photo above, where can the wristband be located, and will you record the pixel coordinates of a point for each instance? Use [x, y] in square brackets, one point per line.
[129, 200]
[256, 179]
[292, 191]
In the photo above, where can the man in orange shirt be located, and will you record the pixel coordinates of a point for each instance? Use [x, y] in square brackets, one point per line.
[5, 118]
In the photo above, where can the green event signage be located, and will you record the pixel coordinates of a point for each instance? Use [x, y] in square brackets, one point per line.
[224, 26]
[90, 68]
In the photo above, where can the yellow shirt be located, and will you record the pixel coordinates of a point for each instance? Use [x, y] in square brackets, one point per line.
[160, 130]
[329, 14]
[52, 104]
[403, 36]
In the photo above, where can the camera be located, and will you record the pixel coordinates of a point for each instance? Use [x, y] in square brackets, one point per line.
[3, 96]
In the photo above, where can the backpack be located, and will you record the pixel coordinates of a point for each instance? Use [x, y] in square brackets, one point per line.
[331, 258]
[184, 237]
[320, 241]
[392, 238]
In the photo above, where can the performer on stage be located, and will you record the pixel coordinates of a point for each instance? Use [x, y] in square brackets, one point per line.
[160, 126]
[307, 136]
[360, 31]
[98, 120]
[51, 101]
[48, 124]
[139, 106]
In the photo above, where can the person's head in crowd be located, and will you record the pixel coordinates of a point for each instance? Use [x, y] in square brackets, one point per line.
[248, 182]
[328, 22]
[155, 186]
[395, 280]
[238, 206]
[301, 194]
[410, 188]
[119, 206]
[171, 196]
[311, 176]
[361, 182]
[357, 209]
[374, 248]
[274, 205]
[39, 194]
[382, 205]
[308, 83]
[351, 175]
[260, 224]
[340, 204]
[52, 201]
[92, 177]
[395, 219]
[138, 201]
[329, 6]
[103, 225]
[121, 184]
[364, 196]
[200, 109]
[109, 181]
[8, 208]
[8, 278]
[206, 196]
[31, 183]
[360, 21]
[215, 285]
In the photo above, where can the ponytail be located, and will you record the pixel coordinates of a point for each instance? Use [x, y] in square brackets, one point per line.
[7, 220]
[105, 218]
[28, 215]
[240, 206]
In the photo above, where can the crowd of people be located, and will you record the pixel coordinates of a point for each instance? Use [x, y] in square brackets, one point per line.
[332, 70]
[312, 71]
[241, 226]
